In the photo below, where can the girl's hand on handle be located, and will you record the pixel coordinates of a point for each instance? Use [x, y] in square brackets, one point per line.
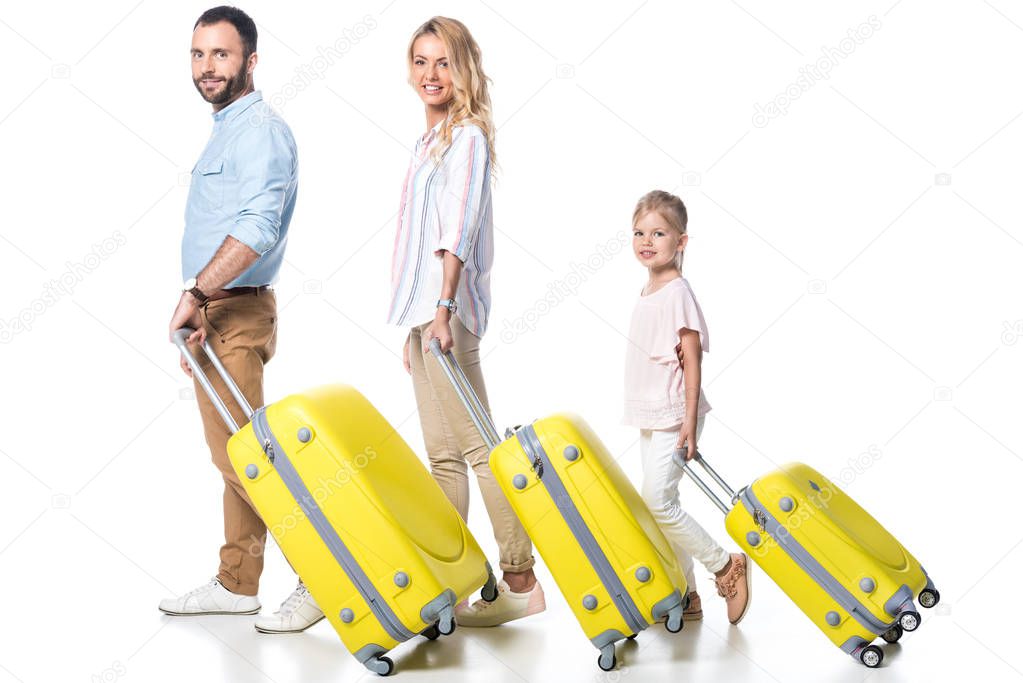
[687, 438]
[405, 357]
[689, 355]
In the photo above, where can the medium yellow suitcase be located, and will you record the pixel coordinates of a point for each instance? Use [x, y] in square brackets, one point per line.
[840, 566]
[381, 549]
[590, 525]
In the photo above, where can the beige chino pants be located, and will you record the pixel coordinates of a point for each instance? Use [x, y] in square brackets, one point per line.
[453, 443]
[243, 332]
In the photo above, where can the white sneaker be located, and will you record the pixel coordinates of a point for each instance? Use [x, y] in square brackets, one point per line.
[211, 598]
[295, 614]
[507, 607]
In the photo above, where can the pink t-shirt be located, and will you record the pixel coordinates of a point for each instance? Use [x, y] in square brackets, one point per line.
[654, 387]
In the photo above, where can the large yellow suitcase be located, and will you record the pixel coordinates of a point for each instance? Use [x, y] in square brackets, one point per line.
[590, 525]
[381, 549]
[840, 566]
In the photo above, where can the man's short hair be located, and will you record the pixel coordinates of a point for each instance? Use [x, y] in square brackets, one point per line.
[240, 20]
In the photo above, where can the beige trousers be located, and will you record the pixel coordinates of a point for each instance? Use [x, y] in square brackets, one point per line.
[243, 332]
[453, 442]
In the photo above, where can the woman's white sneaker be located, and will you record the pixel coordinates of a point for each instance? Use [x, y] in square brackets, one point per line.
[210, 598]
[295, 614]
[507, 607]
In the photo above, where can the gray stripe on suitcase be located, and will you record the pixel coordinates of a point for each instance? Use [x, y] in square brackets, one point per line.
[811, 566]
[563, 501]
[289, 475]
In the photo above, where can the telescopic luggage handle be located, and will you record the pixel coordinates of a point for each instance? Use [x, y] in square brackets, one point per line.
[680, 460]
[479, 415]
[180, 338]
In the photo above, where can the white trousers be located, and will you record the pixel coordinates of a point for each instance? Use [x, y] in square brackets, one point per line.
[661, 477]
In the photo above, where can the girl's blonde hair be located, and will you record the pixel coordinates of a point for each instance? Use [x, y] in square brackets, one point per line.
[470, 102]
[670, 208]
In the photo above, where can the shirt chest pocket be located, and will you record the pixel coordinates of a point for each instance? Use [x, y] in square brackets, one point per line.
[208, 184]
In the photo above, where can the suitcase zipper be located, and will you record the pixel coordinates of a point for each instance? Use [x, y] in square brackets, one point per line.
[760, 519]
[530, 442]
[307, 503]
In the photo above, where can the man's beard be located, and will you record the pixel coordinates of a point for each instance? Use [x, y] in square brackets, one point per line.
[230, 89]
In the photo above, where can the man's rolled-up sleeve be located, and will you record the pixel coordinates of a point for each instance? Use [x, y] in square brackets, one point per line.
[265, 172]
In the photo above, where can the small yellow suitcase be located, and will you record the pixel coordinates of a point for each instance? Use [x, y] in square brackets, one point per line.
[597, 536]
[840, 566]
[381, 549]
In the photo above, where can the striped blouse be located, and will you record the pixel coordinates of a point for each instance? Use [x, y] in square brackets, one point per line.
[445, 206]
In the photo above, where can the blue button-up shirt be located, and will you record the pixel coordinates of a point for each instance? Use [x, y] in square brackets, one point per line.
[243, 186]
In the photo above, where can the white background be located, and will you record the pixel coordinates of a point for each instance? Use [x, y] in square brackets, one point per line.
[857, 259]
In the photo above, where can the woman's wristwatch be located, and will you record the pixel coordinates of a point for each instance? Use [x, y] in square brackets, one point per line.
[448, 304]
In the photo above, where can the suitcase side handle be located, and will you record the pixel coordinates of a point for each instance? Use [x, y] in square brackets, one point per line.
[180, 338]
[680, 460]
[479, 415]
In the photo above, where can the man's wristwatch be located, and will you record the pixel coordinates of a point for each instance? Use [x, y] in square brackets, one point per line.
[192, 287]
[448, 304]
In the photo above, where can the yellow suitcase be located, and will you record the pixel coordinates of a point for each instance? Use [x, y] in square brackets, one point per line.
[381, 549]
[840, 566]
[590, 525]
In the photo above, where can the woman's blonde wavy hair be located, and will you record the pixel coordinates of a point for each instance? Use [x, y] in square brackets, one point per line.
[470, 102]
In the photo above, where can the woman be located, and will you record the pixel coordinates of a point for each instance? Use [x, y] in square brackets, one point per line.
[440, 284]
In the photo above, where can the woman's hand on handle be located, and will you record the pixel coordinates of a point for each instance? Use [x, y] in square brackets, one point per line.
[405, 356]
[440, 329]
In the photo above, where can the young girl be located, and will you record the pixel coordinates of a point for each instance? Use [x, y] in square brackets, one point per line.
[663, 398]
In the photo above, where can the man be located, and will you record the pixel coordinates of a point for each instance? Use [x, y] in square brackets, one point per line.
[236, 227]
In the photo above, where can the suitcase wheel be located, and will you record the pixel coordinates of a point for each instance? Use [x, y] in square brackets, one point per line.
[432, 633]
[909, 621]
[893, 634]
[632, 637]
[673, 623]
[871, 656]
[929, 597]
[382, 666]
[607, 663]
[446, 625]
[489, 592]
